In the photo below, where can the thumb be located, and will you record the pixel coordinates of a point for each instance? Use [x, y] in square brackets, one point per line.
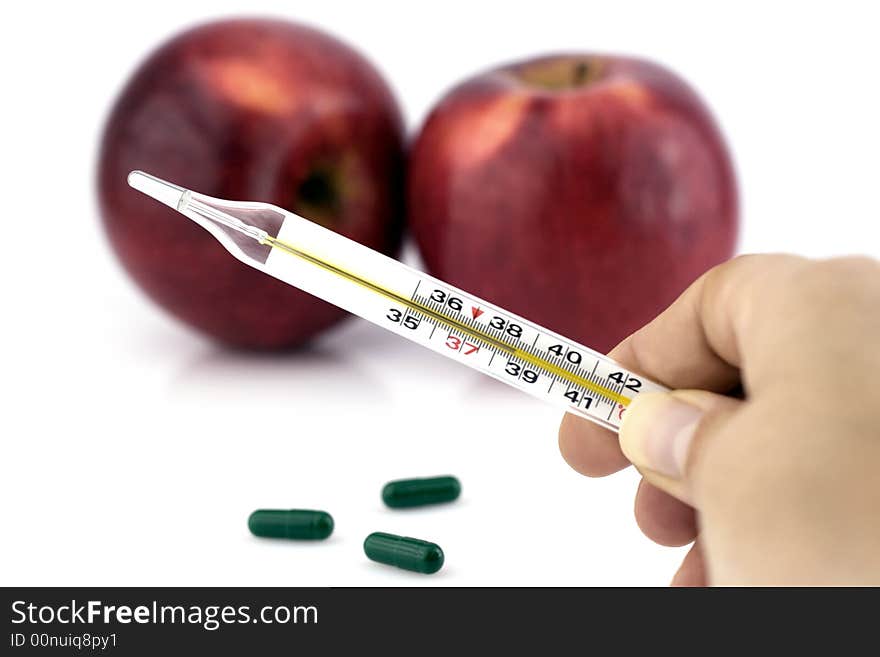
[660, 429]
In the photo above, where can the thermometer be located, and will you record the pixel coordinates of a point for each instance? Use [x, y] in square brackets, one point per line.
[410, 303]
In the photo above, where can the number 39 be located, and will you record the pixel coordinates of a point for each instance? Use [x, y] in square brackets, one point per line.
[514, 369]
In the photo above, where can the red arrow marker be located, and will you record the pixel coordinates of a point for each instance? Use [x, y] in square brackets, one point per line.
[476, 312]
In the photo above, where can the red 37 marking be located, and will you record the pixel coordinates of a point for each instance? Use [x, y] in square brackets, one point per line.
[456, 343]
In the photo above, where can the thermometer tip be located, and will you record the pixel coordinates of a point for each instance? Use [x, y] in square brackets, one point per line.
[161, 190]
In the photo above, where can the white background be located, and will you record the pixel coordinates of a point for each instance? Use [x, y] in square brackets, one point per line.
[134, 450]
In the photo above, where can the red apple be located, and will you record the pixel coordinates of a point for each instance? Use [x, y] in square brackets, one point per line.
[584, 192]
[251, 110]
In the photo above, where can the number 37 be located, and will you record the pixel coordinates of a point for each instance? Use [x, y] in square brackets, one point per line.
[467, 348]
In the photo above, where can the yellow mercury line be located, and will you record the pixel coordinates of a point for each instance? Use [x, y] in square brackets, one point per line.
[514, 351]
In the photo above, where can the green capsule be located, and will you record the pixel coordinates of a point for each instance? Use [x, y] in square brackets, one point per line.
[419, 492]
[295, 523]
[403, 552]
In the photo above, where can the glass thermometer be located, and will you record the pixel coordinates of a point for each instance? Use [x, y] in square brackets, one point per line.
[410, 303]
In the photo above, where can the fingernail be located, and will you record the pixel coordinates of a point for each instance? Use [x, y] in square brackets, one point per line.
[657, 433]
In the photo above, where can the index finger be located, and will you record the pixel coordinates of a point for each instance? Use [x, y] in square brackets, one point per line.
[692, 344]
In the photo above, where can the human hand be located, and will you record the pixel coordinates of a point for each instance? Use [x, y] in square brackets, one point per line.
[781, 486]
